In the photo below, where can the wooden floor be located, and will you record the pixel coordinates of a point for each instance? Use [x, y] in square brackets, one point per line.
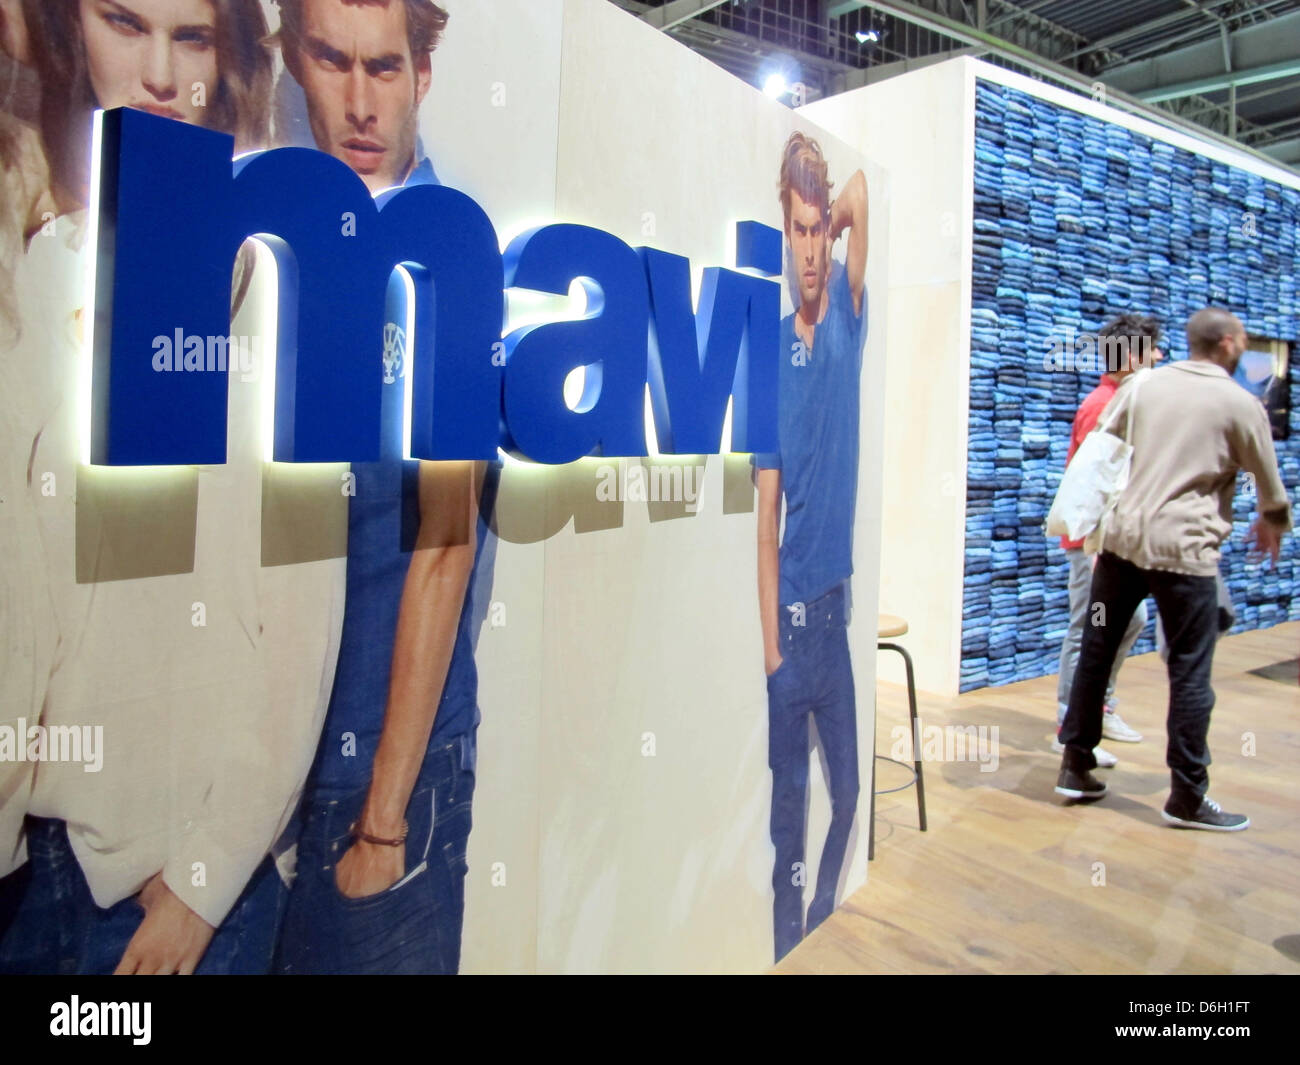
[1010, 878]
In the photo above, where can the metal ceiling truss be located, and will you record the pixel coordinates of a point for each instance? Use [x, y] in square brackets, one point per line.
[677, 12]
[1164, 22]
[1260, 52]
[1222, 119]
[842, 63]
[1226, 46]
[1020, 25]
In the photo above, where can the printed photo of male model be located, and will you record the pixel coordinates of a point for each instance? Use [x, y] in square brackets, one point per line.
[803, 576]
[386, 819]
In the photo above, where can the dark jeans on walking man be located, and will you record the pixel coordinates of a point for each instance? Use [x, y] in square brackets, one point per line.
[1189, 607]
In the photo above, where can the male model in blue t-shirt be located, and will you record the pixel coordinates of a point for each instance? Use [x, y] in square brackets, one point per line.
[386, 813]
[803, 584]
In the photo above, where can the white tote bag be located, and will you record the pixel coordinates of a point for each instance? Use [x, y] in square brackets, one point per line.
[1095, 477]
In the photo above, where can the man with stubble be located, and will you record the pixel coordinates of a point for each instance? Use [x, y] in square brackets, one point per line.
[803, 578]
[380, 887]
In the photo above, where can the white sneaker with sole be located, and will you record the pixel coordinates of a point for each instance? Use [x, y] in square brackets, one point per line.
[1105, 760]
[1113, 727]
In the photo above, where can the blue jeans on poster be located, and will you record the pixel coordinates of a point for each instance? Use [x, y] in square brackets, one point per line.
[414, 926]
[815, 678]
[58, 930]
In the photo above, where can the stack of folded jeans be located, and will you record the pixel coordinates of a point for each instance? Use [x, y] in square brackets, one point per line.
[1076, 219]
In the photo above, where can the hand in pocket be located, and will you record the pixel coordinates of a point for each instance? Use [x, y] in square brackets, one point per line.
[369, 869]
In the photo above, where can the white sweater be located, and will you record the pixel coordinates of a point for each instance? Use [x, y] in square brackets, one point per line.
[28, 395]
[208, 730]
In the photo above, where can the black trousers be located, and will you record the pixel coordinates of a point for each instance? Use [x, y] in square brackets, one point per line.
[1189, 611]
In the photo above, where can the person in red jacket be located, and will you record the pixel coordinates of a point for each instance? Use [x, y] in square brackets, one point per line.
[1126, 343]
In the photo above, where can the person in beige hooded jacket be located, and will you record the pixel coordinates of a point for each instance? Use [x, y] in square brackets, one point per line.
[1193, 430]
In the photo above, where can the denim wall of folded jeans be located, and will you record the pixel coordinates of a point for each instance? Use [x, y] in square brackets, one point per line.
[1076, 219]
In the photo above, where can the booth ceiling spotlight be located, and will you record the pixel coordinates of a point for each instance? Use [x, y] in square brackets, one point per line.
[781, 78]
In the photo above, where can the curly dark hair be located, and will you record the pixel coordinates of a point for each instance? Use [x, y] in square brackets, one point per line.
[1125, 334]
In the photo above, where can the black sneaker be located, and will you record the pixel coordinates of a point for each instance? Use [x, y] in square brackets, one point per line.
[1210, 816]
[1079, 784]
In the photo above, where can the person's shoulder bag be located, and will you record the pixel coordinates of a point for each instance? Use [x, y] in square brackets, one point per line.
[1095, 477]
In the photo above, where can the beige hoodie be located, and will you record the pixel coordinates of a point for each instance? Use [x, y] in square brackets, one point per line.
[1194, 429]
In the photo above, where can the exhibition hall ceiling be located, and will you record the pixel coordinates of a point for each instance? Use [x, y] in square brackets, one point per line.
[1231, 67]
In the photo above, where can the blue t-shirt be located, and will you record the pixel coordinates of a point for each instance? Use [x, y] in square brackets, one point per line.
[383, 523]
[817, 424]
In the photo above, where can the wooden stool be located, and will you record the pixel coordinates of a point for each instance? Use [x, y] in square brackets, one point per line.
[887, 626]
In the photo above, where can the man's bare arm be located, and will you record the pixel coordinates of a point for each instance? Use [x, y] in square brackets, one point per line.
[769, 573]
[432, 600]
[849, 211]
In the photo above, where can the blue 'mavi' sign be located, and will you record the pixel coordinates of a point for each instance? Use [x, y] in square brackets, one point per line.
[173, 212]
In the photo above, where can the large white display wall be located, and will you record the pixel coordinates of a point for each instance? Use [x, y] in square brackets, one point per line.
[623, 789]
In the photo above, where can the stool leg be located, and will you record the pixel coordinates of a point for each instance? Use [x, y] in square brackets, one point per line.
[911, 702]
[911, 705]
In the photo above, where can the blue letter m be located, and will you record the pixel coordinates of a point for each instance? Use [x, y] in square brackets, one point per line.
[173, 213]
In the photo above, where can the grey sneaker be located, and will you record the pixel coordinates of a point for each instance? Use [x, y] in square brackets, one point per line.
[1209, 816]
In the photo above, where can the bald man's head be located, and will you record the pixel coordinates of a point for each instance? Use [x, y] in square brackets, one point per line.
[1217, 336]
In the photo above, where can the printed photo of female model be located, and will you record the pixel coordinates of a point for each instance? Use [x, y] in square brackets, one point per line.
[111, 885]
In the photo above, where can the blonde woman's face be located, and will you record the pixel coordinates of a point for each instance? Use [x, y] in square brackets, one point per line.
[158, 56]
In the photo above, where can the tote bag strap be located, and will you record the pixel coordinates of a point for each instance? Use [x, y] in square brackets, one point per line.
[1132, 405]
[1129, 403]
